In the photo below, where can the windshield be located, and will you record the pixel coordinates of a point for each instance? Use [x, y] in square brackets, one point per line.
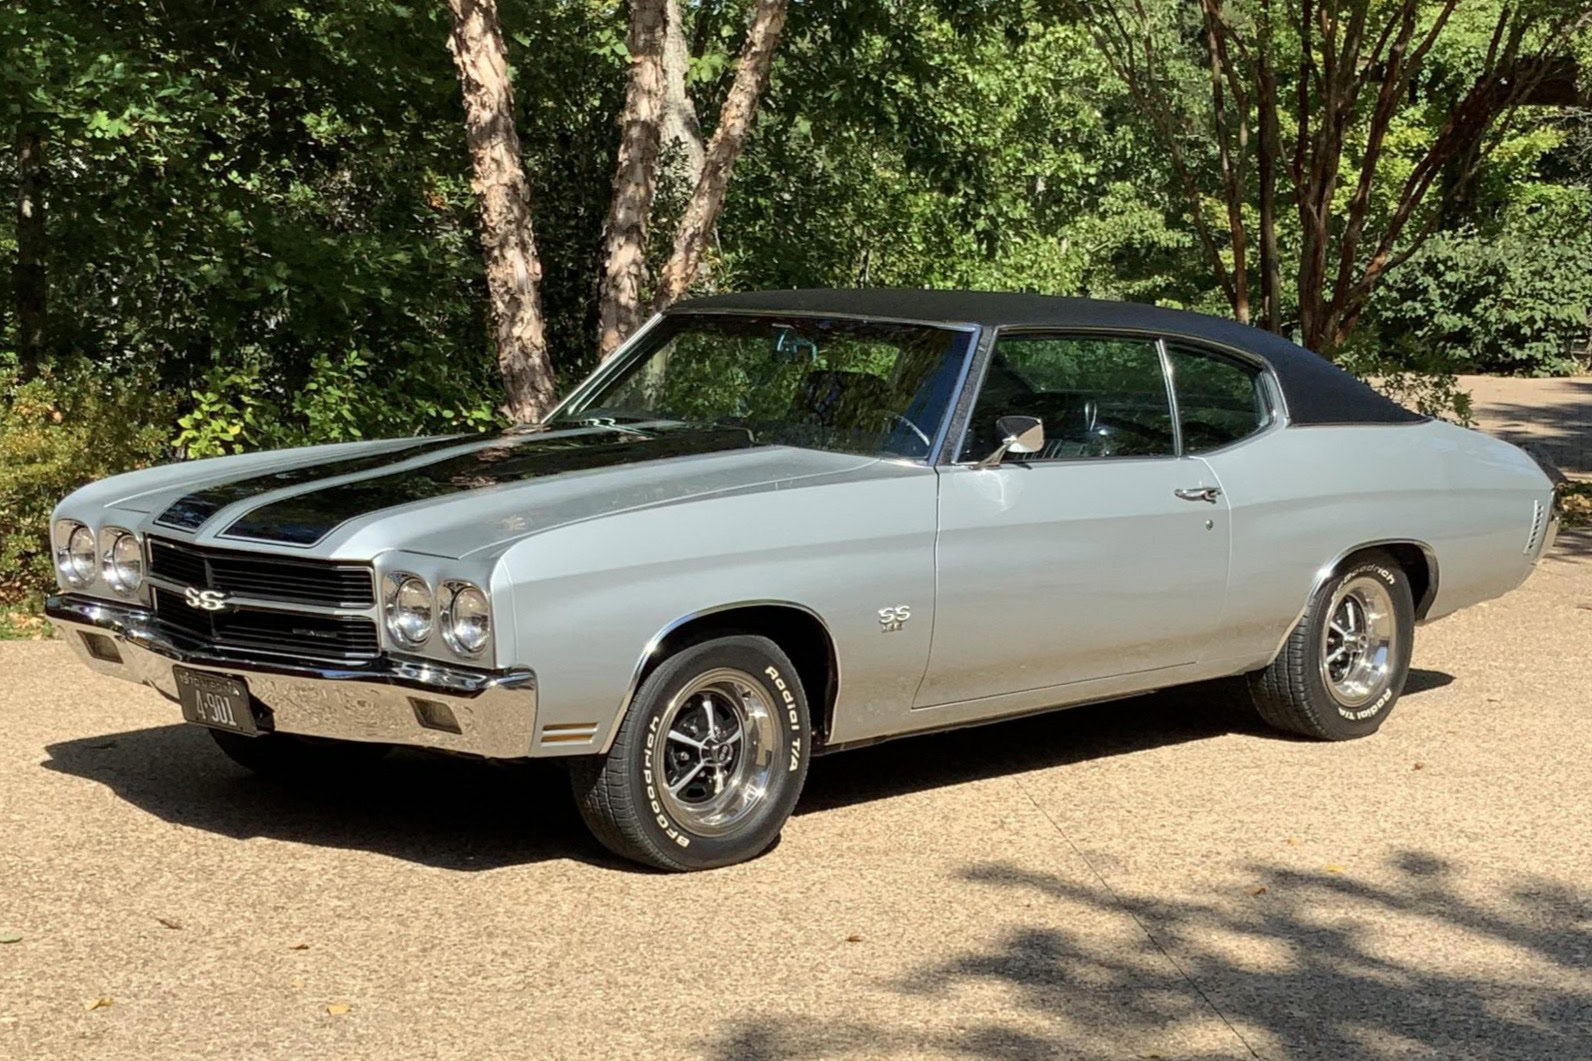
[851, 386]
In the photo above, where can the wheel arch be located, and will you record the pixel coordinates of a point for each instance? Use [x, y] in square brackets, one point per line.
[1417, 559]
[798, 630]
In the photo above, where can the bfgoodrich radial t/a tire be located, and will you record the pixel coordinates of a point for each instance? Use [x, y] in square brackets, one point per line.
[1343, 667]
[708, 762]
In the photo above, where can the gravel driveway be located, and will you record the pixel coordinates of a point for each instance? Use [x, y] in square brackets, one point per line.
[1152, 877]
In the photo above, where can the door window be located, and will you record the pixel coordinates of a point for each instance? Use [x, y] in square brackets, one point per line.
[1098, 396]
[1219, 400]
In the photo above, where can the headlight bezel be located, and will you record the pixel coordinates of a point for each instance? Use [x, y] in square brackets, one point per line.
[396, 582]
[452, 591]
[66, 557]
[111, 565]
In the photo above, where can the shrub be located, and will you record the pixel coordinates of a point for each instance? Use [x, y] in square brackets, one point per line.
[57, 433]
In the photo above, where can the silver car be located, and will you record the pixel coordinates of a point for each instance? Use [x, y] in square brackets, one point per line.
[782, 524]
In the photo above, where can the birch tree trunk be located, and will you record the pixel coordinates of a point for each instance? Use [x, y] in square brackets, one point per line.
[735, 119]
[513, 271]
[620, 289]
[30, 282]
[680, 130]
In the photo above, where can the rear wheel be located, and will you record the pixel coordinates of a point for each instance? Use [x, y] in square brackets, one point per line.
[296, 758]
[708, 762]
[1344, 665]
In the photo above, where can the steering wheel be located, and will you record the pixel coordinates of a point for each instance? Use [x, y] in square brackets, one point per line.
[1108, 428]
[914, 428]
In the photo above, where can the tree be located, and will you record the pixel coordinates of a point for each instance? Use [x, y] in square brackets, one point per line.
[1346, 74]
[658, 111]
[620, 296]
[508, 246]
[729, 137]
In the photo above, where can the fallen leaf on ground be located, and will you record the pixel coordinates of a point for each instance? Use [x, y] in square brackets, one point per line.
[1292, 842]
[299, 946]
[1259, 891]
[7, 936]
[1419, 766]
[297, 981]
[169, 923]
[1333, 867]
[98, 1003]
[338, 1009]
[854, 938]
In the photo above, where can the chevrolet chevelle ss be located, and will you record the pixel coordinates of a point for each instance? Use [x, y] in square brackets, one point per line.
[780, 524]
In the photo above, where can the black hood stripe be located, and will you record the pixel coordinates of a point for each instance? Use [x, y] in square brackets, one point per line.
[191, 511]
[306, 518]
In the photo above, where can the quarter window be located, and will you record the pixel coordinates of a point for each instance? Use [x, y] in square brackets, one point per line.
[1219, 400]
[1098, 396]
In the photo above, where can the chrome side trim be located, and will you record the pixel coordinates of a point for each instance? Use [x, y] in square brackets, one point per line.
[1327, 570]
[496, 709]
[675, 624]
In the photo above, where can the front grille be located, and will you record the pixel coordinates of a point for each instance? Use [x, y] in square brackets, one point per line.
[262, 576]
[346, 638]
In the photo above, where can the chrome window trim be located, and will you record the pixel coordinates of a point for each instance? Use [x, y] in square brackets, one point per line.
[630, 351]
[1271, 388]
[1169, 380]
[996, 334]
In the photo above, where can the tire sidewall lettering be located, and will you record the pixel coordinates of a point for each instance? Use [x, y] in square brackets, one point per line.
[792, 715]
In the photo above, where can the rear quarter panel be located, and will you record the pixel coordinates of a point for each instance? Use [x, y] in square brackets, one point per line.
[1305, 496]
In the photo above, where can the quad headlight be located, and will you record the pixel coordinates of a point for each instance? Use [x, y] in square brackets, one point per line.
[409, 608]
[123, 564]
[458, 610]
[466, 618]
[76, 555]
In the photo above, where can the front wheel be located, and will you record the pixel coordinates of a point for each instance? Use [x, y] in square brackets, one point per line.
[1343, 667]
[708, 762]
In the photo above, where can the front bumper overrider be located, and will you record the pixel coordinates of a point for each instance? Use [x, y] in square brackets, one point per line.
[390, 701]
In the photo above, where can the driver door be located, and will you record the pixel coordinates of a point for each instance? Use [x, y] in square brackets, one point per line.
[1104, 554]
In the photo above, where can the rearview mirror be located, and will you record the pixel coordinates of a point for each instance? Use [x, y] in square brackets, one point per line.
[1018, 434]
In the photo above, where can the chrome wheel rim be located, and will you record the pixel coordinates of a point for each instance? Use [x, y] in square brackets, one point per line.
[1357, 644]
[719, 737]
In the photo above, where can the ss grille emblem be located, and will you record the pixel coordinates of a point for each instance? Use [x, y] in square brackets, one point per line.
[211, 600]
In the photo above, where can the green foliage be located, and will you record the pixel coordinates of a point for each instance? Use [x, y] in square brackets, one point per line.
[262, 212]
[1512, 298]
[57, 433]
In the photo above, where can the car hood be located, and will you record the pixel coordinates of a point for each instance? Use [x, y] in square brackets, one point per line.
[457, 496]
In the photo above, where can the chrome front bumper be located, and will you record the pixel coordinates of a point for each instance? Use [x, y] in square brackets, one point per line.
[389, 701]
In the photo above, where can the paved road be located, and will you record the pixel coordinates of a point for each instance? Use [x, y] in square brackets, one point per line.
[1155, 877]
[1554, 413]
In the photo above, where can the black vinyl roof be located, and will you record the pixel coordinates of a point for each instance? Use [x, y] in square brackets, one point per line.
[1317, 391]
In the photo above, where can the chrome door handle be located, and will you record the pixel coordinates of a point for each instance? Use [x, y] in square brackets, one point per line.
[1200, 493]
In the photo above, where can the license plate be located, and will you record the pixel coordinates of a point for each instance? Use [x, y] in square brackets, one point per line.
[214, 700]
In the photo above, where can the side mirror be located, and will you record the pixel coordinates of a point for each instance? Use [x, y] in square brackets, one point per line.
[1019, 434]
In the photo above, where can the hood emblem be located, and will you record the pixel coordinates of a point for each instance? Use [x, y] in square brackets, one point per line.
[211, 600]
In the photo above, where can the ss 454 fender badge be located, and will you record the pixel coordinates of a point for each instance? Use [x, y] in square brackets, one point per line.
[893, 618]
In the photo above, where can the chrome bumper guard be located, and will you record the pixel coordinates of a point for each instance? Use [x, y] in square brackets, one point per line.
[389, 701]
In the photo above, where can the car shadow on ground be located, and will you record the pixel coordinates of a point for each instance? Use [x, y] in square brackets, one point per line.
[1116, 727]
[467, 814]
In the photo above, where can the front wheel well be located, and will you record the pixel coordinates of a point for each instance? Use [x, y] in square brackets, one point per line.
[799, 633]
[1419, 564]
